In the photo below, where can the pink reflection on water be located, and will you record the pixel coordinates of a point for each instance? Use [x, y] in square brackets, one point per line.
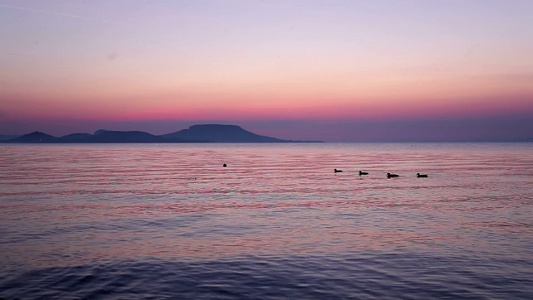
[79, 203]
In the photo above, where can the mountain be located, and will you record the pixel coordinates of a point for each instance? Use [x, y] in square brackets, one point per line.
[107, 136]
[101, 136]
[34, 137]
[217, 133]
[208, 133]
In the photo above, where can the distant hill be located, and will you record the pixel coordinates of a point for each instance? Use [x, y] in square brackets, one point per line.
[34, 137]
[216, 133]
[107, 136]
[208, 133]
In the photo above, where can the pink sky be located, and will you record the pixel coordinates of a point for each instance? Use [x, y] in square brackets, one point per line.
[248, 62]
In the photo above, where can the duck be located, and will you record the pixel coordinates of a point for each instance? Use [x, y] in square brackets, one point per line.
[421, 175]
[224, 165]
[362, 173]
[390, 175]
[337, 171]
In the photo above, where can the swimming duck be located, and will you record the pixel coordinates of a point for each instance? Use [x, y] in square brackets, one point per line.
[389, 175]
[337, 171]
[224, 165]
[421, 175]
[362, 173]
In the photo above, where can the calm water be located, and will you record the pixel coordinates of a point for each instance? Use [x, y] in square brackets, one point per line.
[169, 222]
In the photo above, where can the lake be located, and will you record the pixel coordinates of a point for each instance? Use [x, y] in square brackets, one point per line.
[168, 221]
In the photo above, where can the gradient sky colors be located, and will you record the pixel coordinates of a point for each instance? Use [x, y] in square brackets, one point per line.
[329, 70]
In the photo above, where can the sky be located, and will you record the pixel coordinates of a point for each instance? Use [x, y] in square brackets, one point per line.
[323, 70]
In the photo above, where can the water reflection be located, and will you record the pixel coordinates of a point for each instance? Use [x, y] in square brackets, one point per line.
[67, 204]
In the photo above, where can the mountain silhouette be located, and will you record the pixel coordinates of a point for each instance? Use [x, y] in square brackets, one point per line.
[217, 133]
[34, 137]
[207, 133]
[108, 136]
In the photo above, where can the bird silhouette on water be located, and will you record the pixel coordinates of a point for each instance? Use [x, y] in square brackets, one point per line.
[390, 175]
[224, 165]
[362, 173]
[337, 171]
[421, 175]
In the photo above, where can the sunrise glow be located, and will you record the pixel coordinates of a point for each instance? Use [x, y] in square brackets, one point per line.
[251, 62]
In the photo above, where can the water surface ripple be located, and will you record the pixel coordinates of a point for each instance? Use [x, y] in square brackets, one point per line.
[166, 221]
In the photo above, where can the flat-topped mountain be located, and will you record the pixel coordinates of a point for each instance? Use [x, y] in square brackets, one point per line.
[217, 133]
[208, 133]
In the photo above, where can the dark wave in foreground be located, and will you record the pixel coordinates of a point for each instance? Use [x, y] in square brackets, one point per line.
[354, 276]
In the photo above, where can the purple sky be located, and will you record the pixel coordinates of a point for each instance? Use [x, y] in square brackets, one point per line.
[322, 70]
